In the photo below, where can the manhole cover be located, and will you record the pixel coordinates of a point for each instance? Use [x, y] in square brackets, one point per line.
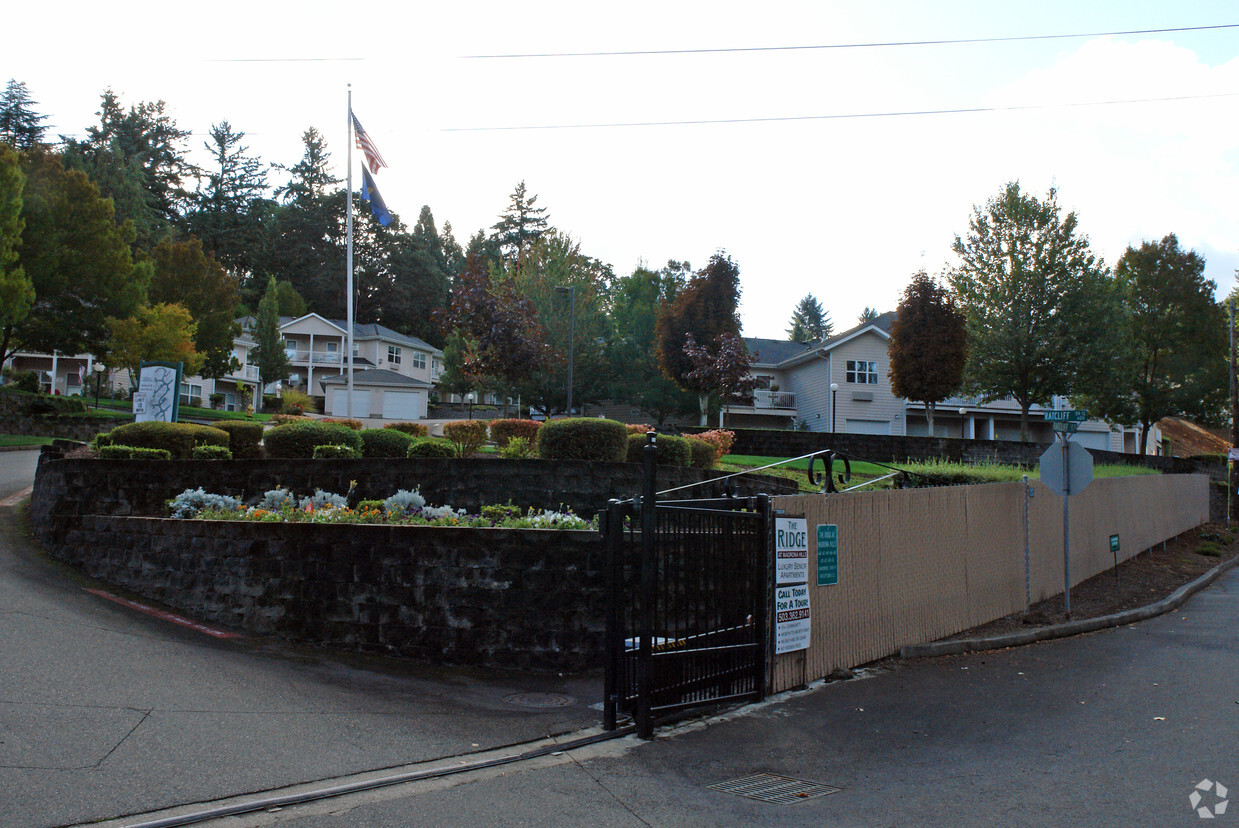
[767, 787]
[539, 700]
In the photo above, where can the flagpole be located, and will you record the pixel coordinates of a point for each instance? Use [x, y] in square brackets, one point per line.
[349, 255]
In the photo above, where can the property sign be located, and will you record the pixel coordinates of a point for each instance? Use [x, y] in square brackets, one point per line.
[827, 554]
[792, 619]
[1114, 543]
[159, 386]
[791, 551]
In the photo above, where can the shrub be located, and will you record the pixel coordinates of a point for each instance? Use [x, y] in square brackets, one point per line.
[275, 499]
[217, 399]
[335, 452]
[583, 438]
[321, 499]
[299, 439]
[101, 439]
[518, 448]
[404, 501]
[415, 429]
[27, 381]
[499, 512]
[671, 451]
[370, 506]
[270, 403]
[638, 429]
[466, 436]
[210, 453]
[245, 438]
[501, 431]
[178, 438]
[702, 453]
[720, 440]
[285, 419]
[384, 442]
[295, 402]
[112, 452]
[193, 501]
[431, 447]
[344, 421]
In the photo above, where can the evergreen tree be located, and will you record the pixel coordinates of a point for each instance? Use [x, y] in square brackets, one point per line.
[77, 259]
[809, 323]
[520, 225]
[228, 211]
[268, 352]
[867, 315]
[928, 346]
[20, 126]
[1041, 309]
[311, 176]
[16, 290]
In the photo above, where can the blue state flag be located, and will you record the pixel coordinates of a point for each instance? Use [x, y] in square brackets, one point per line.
[370, 193]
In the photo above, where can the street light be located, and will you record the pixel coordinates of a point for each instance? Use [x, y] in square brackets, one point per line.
[98, 368]
[963, 424]
[834, 394]
[571, 291]
[469, 400]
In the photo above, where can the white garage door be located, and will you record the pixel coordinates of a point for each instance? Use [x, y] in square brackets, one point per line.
[339, 403]
[402, 405]
[868, 426]
[1099, 440]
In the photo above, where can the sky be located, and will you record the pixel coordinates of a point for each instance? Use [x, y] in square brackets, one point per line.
[803, 199]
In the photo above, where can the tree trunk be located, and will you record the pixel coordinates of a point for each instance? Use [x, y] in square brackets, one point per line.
[1024, 421]
[1144, 438]
[929, 416]
[703, 405]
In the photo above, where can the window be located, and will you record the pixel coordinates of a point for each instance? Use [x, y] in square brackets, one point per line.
[763, 381]
[393, 354]
[191, 394]
[862, 372]
[419, 359]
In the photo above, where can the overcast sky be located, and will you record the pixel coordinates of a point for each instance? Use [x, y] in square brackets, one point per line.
[847, 208]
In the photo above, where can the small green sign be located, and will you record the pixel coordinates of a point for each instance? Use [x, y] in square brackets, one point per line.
[827, 554]
[1114, 543]
[1066, 415]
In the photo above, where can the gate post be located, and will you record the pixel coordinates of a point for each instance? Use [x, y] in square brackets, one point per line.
[764, 575]
[613, 532]
[648, 592]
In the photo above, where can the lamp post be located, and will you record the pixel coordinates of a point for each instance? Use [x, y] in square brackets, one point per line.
[834, 396]
[98, 368]
[571, 291]
[963, 423]
[469, 400]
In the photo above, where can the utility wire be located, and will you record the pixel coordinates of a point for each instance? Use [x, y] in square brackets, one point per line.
[951, 42]
[847, 115]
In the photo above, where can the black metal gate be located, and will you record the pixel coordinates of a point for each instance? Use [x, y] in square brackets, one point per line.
[686, 622]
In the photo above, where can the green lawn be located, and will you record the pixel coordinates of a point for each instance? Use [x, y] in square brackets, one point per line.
[21, 440]
[126, 406]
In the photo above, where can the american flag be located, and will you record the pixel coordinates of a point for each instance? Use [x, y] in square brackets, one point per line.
[373, 158]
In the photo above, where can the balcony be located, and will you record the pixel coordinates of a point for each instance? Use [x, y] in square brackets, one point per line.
[246, 372]
[774, 399]
[313, 357]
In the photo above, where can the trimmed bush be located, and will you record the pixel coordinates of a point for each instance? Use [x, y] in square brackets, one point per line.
[101, 439]
[112, 452]
[344, 421]
[27, 381]
[518, 448]
[466, 436]
[633, 428]
[415, 429]
[245, 438]
[384, 442]
[335, 452]
[178, 438]
[270, 403]
[501, 431]
[431, 447]
[702, 453]
[719, 439]
[285, 419]
[672, 451]
[583, 438]
[210, 453]
[300, 439]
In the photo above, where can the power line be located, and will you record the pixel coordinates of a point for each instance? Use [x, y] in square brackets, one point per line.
[848, 115]
[951, 42]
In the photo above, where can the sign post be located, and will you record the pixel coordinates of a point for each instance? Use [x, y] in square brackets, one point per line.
[1066, 469]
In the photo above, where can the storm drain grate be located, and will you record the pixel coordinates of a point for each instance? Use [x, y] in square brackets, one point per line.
[767, 787]
[542, 700]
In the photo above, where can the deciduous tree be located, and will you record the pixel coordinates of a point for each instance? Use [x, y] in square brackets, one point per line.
[1039, 305]
[184, 274]
[159, 333]
[16, 291]
[928, 346]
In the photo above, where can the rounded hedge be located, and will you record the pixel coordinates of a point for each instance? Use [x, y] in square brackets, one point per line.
[384, 442]
[431, 447]
[414, 429]
[111, 452]
[583, 438]
[210, 453]
[501, 431]
[702, 453]
[335, 453]
[178, 439]
[671, 451]
[246, 438]
[298, 440]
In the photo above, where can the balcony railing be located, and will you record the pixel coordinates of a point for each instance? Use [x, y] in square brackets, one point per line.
[316, 357]
[773, 399]
[249, 372]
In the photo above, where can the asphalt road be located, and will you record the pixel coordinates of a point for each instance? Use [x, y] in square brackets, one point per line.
[105, 711]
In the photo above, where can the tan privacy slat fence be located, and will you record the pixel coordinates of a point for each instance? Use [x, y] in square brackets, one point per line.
[921, 564]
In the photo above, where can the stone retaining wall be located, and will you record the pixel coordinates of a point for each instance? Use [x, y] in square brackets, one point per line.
[506, 598]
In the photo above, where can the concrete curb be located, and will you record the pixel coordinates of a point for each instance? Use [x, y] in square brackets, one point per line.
[34, 447]
[1167, 604]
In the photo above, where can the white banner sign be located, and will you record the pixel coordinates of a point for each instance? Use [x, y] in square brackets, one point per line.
[791, 551]
[792, 618]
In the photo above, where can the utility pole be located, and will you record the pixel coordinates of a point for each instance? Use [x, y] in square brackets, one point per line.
[1234, 422]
